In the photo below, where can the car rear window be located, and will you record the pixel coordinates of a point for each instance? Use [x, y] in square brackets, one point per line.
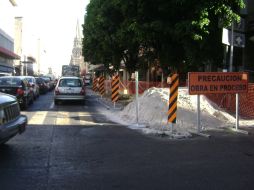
[29, 79]
[46, 79]
[39, 80]
[10, 82]
[70, 83]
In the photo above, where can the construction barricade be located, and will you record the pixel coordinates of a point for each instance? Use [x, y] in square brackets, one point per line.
[173, 93]
[95, 82]
[102, 85]
[115, 88]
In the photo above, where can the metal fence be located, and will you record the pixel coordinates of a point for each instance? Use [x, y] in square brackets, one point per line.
[227, 102]
[224, 101]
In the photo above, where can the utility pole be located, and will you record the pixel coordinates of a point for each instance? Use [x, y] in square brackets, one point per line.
[231, 48]
[38, 56]
[25, 62]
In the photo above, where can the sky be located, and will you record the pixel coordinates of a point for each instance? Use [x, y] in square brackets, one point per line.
[51, 26]
[153, 107]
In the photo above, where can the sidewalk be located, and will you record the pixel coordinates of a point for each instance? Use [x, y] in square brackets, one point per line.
[106, 100]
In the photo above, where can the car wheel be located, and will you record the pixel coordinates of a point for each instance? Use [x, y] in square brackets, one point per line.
[83, 102]
[24, 105]
[32, 99]
[3, 142]
[56, 102]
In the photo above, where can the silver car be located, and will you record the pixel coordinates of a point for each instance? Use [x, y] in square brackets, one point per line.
[33, 85]
[69, 88]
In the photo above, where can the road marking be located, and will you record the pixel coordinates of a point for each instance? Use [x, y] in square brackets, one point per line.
[63, 118]
[38, 118]
[51, 105]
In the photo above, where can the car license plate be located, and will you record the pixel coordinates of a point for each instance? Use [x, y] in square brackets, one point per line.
[69, 91]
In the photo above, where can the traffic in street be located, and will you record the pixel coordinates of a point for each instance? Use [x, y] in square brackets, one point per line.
[126, 95]
[74, 146]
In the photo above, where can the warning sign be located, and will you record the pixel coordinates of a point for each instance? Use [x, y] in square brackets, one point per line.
[217, 82]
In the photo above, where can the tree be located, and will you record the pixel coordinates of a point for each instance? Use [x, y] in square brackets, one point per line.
[181, 34]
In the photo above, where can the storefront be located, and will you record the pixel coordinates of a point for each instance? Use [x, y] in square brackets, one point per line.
[6, 54]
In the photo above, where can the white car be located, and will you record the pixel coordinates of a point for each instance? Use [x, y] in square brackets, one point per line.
[87, 79]
[69, 88]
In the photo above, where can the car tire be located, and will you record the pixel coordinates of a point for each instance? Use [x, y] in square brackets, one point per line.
[4, 142]
[32, 99]
[56, 102]
[24, 106]
[83, 102]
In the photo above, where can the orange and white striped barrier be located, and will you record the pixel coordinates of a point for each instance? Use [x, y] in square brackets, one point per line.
[115, 88]
[173, 93]
[101, 85]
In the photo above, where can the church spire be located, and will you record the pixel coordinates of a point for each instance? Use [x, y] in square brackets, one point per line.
[78, 30]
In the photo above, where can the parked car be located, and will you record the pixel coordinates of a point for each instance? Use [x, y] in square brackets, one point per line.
[49, 82]
[69, 88]
[19, 87]
[33, 85]
[43, 87]
[88, 79]
[11, 121]
[55, 82]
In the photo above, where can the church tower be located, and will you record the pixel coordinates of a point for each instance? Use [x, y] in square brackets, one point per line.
[76, 57]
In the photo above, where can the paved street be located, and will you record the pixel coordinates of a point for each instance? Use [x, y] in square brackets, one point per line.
[72, 147]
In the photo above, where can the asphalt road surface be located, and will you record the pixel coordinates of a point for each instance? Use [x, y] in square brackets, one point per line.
[74, 147]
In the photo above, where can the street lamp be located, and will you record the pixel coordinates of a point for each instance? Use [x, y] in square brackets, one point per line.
[38, 56]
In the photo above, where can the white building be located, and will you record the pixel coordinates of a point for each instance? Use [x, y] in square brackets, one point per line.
[76, 57]
[7, 54]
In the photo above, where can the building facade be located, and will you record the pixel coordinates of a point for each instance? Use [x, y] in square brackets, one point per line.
[18, 44]
[7, 55]
[77, 57]
[248, 56]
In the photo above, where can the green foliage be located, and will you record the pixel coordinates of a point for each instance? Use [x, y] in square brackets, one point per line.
[181, 34]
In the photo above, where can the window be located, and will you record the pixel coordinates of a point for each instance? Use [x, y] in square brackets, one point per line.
[10, 82]
[70, 83]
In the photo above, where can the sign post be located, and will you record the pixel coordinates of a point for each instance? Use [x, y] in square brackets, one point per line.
[237, 111]
[218, 83]
[137, 103]
[231, 48]
[138, 124]
[198, 114]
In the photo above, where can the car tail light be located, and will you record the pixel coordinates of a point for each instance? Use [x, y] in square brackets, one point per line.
[20, 92]
[57, 91]
[82, 92]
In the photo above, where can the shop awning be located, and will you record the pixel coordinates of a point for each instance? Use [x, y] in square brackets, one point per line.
[8, 54]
